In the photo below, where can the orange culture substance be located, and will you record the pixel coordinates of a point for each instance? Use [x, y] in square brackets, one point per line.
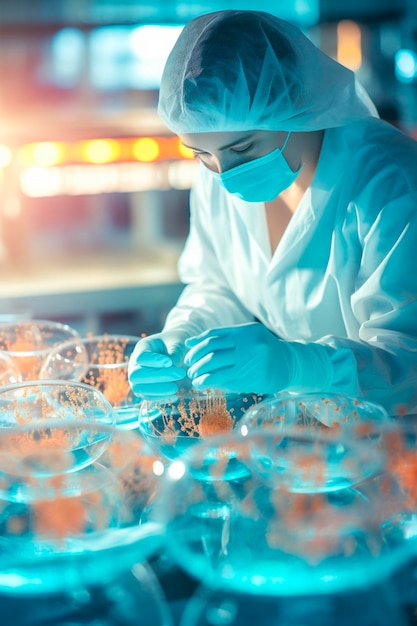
[111, 381]
[200, 416]
[25, 342]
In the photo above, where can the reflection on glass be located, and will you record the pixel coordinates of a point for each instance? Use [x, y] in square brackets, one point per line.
[29, 342]
[102, 362]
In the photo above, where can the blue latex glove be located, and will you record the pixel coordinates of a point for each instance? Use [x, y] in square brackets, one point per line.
[156, 365]
[250, 358]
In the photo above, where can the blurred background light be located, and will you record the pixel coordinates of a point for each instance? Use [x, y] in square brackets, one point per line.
[44, 154]
[406, 65]
[67, 53]
[349, 44]
[146, 149]
[100, 150]
[5, 155]
[130, 57]
[154, 42]
[73, 180]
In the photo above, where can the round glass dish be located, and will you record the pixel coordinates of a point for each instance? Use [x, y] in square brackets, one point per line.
[66, 525]
[102, 362]
[318, 411]
[277, 530]
[34, 405]
[171, 427]
[28, 343]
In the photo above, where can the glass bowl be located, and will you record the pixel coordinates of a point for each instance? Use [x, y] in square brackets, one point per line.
[102, 362]
[28, 343]
[318, 411]
[171, 427]
[64, 525]
[275, 532]
[38, 403]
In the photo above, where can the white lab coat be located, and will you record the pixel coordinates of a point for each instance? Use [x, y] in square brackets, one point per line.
[344, 273]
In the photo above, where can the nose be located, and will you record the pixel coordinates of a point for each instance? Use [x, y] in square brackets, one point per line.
[216, 165]
[226, 162]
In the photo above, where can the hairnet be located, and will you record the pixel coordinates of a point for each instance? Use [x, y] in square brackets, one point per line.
[245, 70]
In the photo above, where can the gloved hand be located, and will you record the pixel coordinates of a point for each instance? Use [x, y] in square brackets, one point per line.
[250, 358]
[156, 365]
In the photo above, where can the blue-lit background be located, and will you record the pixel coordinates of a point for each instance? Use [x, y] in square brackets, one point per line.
[93, 189]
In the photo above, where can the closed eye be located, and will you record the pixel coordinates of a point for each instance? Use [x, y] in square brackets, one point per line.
[242, 148]
[198, 153]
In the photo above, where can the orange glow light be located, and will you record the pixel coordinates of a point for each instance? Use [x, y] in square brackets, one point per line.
[145, 149]
[349, 44]
[100, 150]
[184, 151]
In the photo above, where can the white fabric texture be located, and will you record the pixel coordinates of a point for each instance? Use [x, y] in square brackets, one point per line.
[343, 275]
[245, 70]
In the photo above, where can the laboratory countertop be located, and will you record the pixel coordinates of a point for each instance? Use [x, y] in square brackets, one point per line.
[92, 283]
[89, 272]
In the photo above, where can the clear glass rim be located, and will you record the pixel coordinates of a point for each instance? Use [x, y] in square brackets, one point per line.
[70, 424]
[288, 395]
[71, 333]
[55, 382]
[94, 341]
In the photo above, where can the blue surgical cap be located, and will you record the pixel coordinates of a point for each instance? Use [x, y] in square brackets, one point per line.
[246, 70]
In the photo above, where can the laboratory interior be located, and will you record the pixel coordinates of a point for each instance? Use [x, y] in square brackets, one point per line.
[94, 188]
[111, 524]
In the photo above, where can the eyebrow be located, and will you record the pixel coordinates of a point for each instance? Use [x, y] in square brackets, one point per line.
[229, 145]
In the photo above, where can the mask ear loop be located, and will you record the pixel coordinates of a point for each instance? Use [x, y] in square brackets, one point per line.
[282, 152]
[285, 142]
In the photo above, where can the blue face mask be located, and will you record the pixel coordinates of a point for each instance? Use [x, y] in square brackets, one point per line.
[259, 180]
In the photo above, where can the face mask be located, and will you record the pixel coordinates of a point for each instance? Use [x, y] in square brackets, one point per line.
[259, 180]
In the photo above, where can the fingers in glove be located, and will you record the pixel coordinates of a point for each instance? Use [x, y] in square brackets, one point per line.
[220, 379]
[153, 375]
[212, 362]
[207, 344]
[161, 392]
[212, 332]
[154, 359]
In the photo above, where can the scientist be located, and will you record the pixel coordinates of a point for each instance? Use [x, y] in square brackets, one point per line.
[299, 265]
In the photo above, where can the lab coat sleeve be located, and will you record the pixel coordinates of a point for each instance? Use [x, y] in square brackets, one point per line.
[207, 300]
[384, 364]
